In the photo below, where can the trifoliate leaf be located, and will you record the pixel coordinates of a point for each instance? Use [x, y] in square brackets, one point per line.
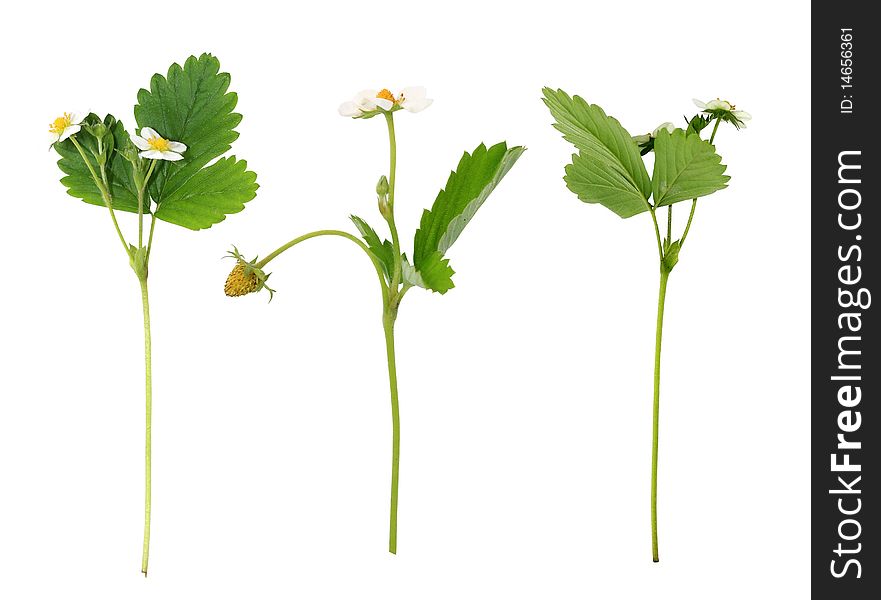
[467, 189]
[381, 249]
[686, 167]
[435, 274]
[608, 169]
[78, 179]
[191, 105]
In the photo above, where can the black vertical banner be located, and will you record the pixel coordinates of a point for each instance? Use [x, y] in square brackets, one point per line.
[845, 358]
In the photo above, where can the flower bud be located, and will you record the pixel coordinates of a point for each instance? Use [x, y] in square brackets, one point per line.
[98, 129]
[384, 208]
[382, 190]
[137, 259]
[382, 187]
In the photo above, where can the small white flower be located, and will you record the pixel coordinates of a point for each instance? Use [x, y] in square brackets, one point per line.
[153, 145]
[667, 125]
[65, 126]
[724, 110]
[370, 101]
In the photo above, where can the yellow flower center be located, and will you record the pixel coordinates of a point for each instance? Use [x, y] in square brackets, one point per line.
[60, 124]
[386, 95]
[160, 144]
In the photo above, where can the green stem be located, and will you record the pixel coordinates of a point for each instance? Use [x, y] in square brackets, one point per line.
[688, 224]
[715, 129]
[388, 325]
[334, 232]
[141, 192]
[150, 238]
[670, 222]
[694, 202]
[393, 162]
[148, 446]
[390, 309]
[105, 193]
[657, 233]
[662, 293]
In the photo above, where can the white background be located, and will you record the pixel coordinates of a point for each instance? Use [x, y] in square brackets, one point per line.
[525, 391]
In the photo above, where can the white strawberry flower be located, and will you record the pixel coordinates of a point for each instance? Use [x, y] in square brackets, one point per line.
[368, 103]
[724, 110]
[153, 145]
[65, 126]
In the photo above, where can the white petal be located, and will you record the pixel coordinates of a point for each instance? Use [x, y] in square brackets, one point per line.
[718, 104]
[53, 137]
[642, 139]
[365, 100]
[156, 154]
[741, 115]
[68, 131]
[140, 142]
[77, 117]
[366, 104]
[349, 109]
[666, 125]
[177, 147]
[172, 156]
[699, 104]
[383, 103]
[148, 132]
[413, 93]
[416, 105]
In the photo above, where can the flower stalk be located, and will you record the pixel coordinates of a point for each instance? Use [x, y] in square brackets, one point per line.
[138, 259]
[148, 433]
[107, 165]
[396, 273]
[669, 257]
[608, 171]
[391, 292]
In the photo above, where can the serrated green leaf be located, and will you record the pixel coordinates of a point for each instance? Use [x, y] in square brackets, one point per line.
[468, 187]
[381, 249]
[686, 167]
[191, 104]
[211, 194]
[435, 274]
[78, 180]
[591, 182]
[611, 171]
